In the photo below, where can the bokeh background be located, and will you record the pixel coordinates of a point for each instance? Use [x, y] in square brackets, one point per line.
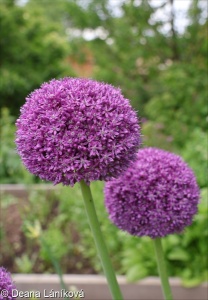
[156, 52]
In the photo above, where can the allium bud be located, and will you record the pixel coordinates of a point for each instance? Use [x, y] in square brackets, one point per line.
[156, 196]
[77, 129]
[6, 285]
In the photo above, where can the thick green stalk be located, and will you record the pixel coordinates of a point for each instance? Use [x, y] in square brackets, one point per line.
[99, 241]
[162, 269]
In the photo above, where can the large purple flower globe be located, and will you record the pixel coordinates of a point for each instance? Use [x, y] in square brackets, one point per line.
[6, 285]
[156, 196]
[77, 129]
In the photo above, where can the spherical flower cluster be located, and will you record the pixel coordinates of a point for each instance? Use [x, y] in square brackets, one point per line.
[76, 129]
[6, 285]
[156, 196]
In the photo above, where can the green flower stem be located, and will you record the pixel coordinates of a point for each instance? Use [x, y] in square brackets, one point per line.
[55, 264]
[99, 241]
[162, 269]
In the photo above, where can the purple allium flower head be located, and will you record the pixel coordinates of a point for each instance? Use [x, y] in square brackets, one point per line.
[156, 196]
[73, 129]
[6, 285]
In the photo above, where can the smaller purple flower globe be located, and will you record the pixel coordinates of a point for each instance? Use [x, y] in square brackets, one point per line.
[76, 129]
[156, 196]
[6, 285]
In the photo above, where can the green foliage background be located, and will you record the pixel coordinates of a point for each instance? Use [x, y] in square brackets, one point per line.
[59, 220]
[162, 73]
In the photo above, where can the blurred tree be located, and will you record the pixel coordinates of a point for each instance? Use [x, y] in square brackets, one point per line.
[32, 50]
[126, 44]
[179, 98]
[120, 42]
[195, 37]
[180, 103]
[179, 94]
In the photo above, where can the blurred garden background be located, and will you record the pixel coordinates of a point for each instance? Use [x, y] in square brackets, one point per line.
[156, 52]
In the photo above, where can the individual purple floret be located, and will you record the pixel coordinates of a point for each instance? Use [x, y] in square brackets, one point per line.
[76, 129]
[156, 196]
[6, 285]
